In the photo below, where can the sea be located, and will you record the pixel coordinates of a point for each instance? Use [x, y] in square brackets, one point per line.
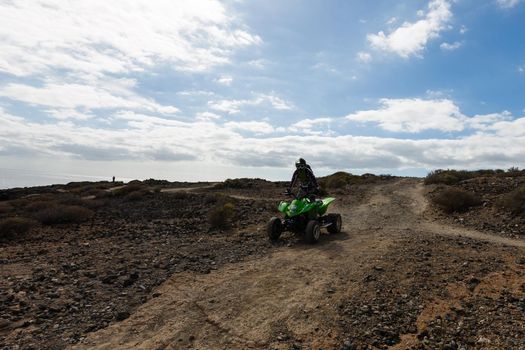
[10, 178]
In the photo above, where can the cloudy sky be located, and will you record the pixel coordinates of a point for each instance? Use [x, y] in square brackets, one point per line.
[206, 89]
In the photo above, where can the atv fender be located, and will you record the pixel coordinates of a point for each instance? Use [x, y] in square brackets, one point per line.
[283, 206]
[324, 205]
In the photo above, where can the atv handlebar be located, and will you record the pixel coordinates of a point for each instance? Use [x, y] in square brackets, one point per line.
[289, 192]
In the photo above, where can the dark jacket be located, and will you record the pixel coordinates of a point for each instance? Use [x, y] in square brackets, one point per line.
[306, 177]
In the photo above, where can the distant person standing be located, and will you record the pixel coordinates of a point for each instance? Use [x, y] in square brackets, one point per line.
[113, 178]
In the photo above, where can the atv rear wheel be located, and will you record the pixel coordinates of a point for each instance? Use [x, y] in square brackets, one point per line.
[312, 232]
[274, 228]
[335, 223]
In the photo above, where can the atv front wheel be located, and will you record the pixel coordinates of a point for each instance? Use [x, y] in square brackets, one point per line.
[312, 232]
[335, 223]
[274, 228]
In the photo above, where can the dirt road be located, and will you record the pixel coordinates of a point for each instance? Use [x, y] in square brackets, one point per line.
[293, 297]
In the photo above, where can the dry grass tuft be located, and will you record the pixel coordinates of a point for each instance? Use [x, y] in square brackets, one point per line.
[514, 201]
[15, 227]
[63, 214]
[455, 200]
[221, 215]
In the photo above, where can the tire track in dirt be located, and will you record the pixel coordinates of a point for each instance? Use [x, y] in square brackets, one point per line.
[256, 303]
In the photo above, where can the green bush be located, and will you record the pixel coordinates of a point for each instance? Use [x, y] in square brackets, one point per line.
[62, 214]
[15, 227]
[221, 215]
[452, 199]
[514, 201]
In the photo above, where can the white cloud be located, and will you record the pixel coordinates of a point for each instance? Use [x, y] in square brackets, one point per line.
[450, 47]
[195, 93]
[259, 63]
[307, 126]
[207, 116]
[107, 94]
[521, 69]
[99, 37]
[364, 57]
[251, 126]
[69, 113]
[499, 141]
[224, 80]
[277, 102]
[508, 3]
[326, 67]
[439, 94]
[234, 106]
[488, 122]
[463, 29]
[413, 115]
[392, 20]
[411, 38]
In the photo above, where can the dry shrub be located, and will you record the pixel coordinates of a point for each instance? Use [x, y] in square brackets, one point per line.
[242, 183]
[446, 177]
[94, 203]
[77, 201]
[451, 176]
[514, 201]
[19, 203]
[340, 179]
[61, 214]
[218, 198]
[137, 195]
[5, 207]
[181, 195]
[72, 200]
[221, 215]
[15, 227]
[131, 187]
[38, 205]
[102, 194]
[452, 199]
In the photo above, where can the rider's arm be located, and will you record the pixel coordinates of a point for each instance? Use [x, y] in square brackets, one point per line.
[313, 180]
[294, 179]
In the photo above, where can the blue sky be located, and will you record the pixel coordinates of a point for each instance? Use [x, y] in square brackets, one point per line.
[205, 90]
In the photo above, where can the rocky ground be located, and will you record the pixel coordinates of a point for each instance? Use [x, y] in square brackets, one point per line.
[61, 282]
[440, 293]
[151, 271]
[489, 216]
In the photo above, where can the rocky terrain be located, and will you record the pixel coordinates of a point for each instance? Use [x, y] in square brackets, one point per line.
[60, 282]
[489, 216]
[155, 268]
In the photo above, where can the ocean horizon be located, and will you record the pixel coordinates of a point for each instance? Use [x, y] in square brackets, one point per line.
[13, 178]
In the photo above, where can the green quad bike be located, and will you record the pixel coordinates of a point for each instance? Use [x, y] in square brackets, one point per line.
[304, 216]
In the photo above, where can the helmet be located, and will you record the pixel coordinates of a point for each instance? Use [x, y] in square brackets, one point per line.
[300, 163]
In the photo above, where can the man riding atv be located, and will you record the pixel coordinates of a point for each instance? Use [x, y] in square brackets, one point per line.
[305, 214]
[305, 176]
